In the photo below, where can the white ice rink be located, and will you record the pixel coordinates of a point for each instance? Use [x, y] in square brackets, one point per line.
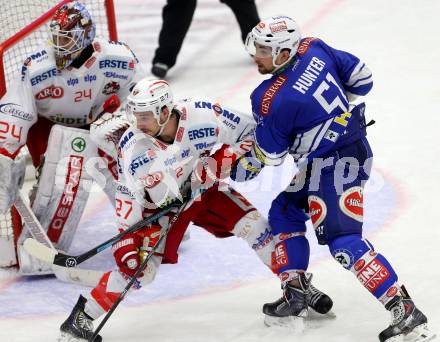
[216, 292]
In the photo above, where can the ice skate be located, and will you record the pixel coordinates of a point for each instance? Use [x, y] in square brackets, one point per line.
[290, 310]
[78, 326]
[408, 323]
[318, 300]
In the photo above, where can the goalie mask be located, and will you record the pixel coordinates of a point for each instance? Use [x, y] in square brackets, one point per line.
[147, 100]
[273, 35]
[72, 30]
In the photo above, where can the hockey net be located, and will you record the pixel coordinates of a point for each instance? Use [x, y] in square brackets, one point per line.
[24, 26]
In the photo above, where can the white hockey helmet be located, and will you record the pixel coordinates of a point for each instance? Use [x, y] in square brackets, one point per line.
[277, 33]
[150, 95]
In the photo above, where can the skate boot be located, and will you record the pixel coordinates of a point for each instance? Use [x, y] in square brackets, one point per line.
[318, 300]
[408, 323]
[291, 309]
[78, 326]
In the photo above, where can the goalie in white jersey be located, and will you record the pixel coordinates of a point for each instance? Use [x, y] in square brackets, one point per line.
[158, 149]
[64, 87]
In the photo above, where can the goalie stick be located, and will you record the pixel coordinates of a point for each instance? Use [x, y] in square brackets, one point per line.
[187, 203]
[52, 256]
[76, 276]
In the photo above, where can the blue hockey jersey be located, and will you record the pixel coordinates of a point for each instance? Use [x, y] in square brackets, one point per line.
[305, 106]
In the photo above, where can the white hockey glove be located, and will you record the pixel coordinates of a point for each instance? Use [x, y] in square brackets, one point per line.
[11, 180]
[106, 132]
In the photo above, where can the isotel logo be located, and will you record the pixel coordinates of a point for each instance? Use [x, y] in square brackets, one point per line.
[151, 180]
[74, 171]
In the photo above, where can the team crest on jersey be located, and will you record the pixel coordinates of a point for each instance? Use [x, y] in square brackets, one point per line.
[317, 210]
[111, 88]
[352, 203]
[269, 94]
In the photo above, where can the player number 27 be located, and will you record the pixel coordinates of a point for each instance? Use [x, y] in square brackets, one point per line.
[328, 83]
[123, 208]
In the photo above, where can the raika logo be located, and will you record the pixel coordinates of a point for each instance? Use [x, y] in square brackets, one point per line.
[78, 144]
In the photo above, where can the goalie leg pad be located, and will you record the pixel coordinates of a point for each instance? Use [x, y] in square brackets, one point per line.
[7, 252]
[62, 190]
[12, 176]
[371, 268]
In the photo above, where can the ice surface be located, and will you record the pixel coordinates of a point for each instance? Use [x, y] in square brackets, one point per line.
[216, 291]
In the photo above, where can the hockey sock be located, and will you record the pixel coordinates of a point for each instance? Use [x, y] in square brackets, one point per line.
[371, 268]
[290, 257]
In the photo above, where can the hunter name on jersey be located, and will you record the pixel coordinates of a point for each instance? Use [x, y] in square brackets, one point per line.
[312, 80]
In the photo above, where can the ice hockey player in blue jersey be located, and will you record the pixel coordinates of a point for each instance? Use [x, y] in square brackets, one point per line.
[306, 109]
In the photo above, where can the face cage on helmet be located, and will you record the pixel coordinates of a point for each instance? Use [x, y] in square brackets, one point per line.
[250, 44]
[75, 41]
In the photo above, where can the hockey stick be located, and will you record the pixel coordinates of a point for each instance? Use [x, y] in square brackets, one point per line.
[51, 256]
[141, 268]
[76, 276]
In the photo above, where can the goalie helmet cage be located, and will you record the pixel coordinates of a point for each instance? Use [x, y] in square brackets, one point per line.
[25, 27]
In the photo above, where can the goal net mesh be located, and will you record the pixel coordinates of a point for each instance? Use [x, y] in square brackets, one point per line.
[15, 16]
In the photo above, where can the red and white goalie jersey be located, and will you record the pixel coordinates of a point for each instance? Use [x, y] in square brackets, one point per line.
[70, 97]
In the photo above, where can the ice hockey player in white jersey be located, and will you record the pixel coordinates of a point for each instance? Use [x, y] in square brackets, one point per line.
[64, 86]
[160, 147]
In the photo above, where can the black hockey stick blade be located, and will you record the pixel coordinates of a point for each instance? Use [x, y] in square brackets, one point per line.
[46, 254]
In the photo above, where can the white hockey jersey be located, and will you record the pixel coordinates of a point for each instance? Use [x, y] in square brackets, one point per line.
[70, 97]
[154, 173]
